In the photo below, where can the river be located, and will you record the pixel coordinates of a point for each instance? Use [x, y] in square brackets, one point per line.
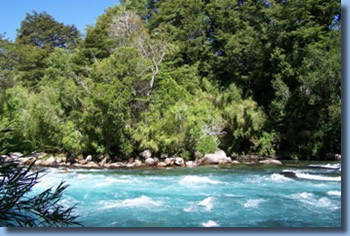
[239, 196]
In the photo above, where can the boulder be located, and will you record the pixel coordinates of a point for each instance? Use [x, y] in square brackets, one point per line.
[130, 165]
[167, 161]
[15, 155]
[146, 154]
[338, 157]
[38, 155]
[190, 164]
[149, 162]
[78, 165]
[216, 158]
[156, 160]
[179, 161]
[39, 162]
[51, 161]
[88, 158]
[270, 162]
[28, 160]
[161, 164]
[5, 158]
[59, 160]
[91, 164]
[163, 156]
[138, 163]
[235, 162]
[103, 162]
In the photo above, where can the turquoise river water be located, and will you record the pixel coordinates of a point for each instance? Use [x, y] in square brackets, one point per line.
[239, 196]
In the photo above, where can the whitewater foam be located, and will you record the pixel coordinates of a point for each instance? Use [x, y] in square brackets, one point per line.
[142, 201]
[207, 203]
[317, 177]
[279, 178]
[334, 193]
[310, 199]
[327, 166]
[210, 223]
[253, 203]
[193, 179]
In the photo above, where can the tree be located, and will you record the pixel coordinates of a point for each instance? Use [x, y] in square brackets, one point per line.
[19, 208]
[42, 30]
[128, 30]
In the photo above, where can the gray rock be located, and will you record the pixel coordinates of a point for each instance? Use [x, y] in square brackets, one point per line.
[190, 164]
[235, 162]
[161, 164]
[156, 160]
[15, 155]
[5, 158]
[88, 158]
[38, 155]
[26, 160]
[146, 154]
[149, 162]
[130, 165]
[338, 157]
[167, 161]
[138, 163]
[91, 164]
[51, 161]
[219, 157]
[179, 161]
[163, 156]
[103, 162]
[39, 162]
[270, 162]
[59, 160]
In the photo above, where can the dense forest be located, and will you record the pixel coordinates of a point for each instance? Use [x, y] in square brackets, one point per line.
[176, 77]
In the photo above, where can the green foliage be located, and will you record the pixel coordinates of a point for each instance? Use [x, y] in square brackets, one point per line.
[179, 76]
[207, 144]
[18, 208]
[41, 30]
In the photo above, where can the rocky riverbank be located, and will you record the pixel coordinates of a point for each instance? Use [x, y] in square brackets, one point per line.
[145, 159]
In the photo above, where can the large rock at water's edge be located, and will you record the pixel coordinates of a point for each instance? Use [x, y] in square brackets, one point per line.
[215, 158]
[149, 162]
[167, 161]
[38, 155]
[15, 155]
[138, 163]
[338, 157]
[270, 162]
[236, 162]
[5, 158]
[146, 154]
[51, 161]
[161, 164]
[190, 164]
[88, 158]
[26, 160]
[91, 164]
[179, 161]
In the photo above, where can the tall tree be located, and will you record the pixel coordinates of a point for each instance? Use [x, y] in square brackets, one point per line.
[42, 30]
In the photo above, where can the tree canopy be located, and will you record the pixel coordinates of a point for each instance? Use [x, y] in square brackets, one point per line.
[178, 77]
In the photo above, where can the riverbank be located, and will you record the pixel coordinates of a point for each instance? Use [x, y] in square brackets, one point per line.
[145, 159]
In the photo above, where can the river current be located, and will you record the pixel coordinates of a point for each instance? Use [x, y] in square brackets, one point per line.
[239, 196]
